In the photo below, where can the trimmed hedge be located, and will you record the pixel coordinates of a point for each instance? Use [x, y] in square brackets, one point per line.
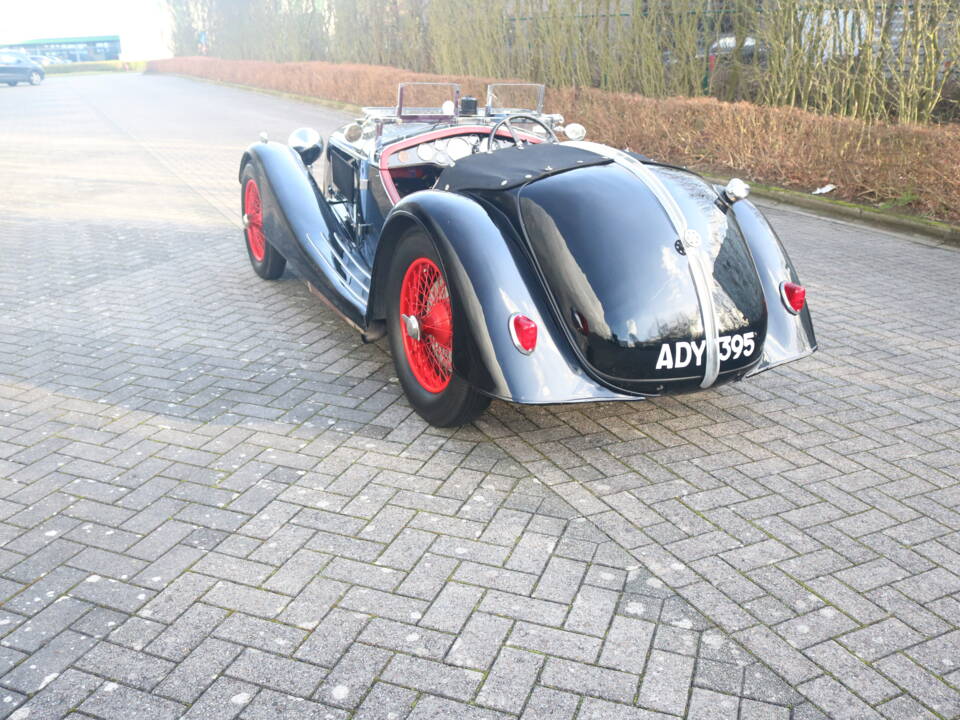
[911, 167]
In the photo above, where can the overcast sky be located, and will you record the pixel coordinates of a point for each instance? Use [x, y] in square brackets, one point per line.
[143, 25]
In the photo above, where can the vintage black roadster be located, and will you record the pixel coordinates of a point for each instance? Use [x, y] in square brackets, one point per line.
[502, 262]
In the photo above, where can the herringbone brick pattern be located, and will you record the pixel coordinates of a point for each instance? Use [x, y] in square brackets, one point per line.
[215, 503]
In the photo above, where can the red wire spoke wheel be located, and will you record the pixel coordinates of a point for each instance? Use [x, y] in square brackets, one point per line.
[254, 212]
[266, 260]
[427, 324]
[421, 335]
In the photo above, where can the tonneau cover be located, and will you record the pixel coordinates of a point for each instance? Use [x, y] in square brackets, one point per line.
[511, 167]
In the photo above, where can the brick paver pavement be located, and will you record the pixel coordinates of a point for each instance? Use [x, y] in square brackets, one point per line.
[215, 502]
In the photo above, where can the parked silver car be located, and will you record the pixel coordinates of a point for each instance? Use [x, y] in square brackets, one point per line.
[16, 68]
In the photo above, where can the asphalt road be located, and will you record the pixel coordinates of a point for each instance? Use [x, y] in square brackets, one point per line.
[215, 502]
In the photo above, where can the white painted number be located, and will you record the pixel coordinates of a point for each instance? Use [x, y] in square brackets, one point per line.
[683, 353]
[736, 342]
[724, 348]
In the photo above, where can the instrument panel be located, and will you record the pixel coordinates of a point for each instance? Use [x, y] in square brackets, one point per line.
[443, 151]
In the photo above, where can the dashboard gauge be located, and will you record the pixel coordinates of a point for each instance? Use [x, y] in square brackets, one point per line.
[404, 157]
[498, 144]
[426, 152]
[458, 148]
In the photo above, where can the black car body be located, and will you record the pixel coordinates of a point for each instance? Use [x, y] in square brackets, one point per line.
[630, 278]
[17, 67]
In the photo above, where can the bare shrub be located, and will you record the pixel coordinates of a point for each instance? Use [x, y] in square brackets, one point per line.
[948, 108]
[731, 82]
[911, 166]
[869, 59]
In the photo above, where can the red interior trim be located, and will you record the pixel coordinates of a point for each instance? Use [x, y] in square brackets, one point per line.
[388, 151]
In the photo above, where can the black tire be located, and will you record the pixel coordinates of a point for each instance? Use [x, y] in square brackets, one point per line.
[35, 78]
[270, 266]
[12, 83]
[458, 403]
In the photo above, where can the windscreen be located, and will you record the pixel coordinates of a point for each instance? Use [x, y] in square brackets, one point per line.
[428, 100]
[507, 98]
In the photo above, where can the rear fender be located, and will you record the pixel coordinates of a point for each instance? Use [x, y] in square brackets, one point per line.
[789, 336]
[490, 280]
[299, 224]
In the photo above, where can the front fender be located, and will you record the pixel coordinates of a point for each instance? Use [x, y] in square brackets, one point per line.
[490, 279]
[789, 336]
[298, 223]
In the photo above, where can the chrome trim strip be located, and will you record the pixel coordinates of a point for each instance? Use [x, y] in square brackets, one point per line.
[346, 256]
[348, 273]
[708, 312]
[349, 255]
[695, 255]
[334, 271]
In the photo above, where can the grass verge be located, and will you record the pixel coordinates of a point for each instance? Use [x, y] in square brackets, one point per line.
[90, 67]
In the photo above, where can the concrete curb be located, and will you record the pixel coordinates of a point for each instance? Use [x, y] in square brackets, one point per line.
[944, 232]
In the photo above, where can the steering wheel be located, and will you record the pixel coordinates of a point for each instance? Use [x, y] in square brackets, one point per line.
[506, 122]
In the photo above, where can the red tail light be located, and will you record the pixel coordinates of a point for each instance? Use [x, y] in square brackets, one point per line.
[523, 331]
[794, 296]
